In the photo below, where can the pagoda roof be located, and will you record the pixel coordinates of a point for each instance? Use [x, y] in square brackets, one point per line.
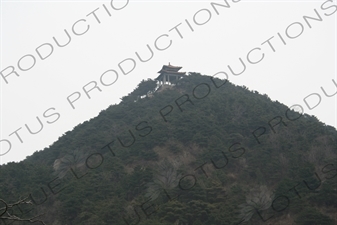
[170, 68]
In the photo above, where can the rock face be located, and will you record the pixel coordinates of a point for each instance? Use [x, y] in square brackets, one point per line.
[204, 151]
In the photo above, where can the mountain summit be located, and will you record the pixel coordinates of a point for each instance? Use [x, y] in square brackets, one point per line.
[195, 150]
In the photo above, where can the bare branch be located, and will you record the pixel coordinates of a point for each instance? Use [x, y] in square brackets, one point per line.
[7, 215]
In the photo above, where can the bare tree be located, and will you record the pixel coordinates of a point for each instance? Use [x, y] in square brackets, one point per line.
[75, 159]
[165, 178]
[259, 198]
[6, 212]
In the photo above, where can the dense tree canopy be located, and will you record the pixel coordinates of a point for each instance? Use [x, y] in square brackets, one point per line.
[203, 151]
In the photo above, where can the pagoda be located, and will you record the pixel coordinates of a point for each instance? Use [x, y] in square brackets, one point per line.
[169, 73]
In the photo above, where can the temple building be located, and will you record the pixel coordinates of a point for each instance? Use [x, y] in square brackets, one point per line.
[168, 74]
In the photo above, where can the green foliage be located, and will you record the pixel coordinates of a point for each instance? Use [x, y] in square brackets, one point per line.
[144, 88]
[327, 195]
[311, 216]
[201, 130]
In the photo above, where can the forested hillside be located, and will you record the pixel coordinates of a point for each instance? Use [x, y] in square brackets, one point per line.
[202, 151]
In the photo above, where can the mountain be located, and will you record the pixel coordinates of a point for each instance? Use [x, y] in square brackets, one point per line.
[199, 151]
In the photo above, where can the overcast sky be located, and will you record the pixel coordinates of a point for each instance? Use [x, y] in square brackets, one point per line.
[290, 57]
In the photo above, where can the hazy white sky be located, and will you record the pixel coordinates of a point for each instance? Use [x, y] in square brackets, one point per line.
[105, 36]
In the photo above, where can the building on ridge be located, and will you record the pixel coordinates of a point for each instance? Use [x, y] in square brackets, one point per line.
[168, 74]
